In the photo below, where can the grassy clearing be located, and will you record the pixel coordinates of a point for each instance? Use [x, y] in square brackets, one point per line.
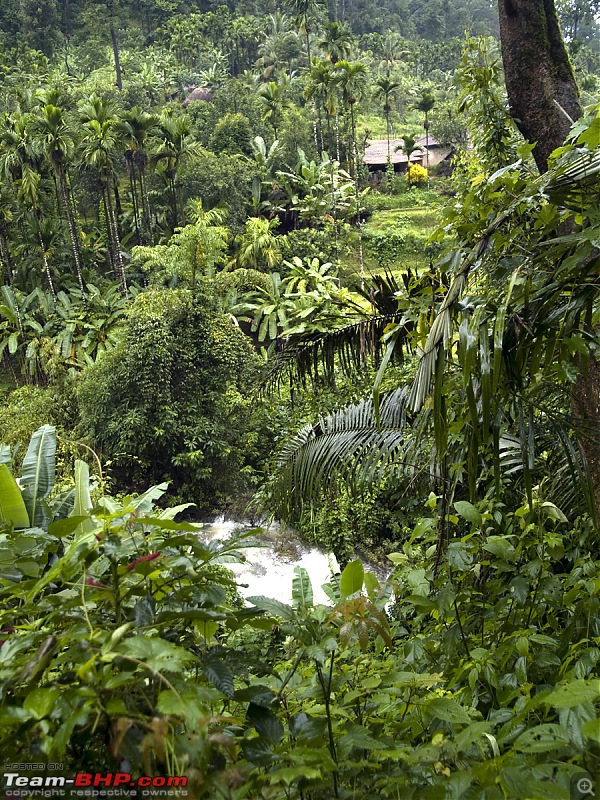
[396, 235]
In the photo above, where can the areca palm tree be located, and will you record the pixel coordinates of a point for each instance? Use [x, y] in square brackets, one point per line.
[138, 127]
[21, 164]
[175, 145]
[321, 90]
[258, 244]
[100, 144]
[352, 80]
[273, 101]
[409, 146]
[385, 89]
[57, 139]
[336, 42]
[425, 103]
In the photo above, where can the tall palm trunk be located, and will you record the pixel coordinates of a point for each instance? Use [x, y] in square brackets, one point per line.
[387, 125]
[333, 199]
[357, 188]
[73, 232]
[46, 267]
[134, 196]
[146, 212]
[320, 120]
[119, 266]
[174, 194]
[426, 148]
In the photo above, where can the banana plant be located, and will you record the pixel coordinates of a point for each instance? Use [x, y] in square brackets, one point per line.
[25, 503]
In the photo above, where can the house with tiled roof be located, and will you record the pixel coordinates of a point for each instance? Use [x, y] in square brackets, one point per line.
[376, 154]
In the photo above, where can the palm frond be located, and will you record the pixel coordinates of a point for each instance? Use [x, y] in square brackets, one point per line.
[350, 348]
[348, 444]
[316, 356]
[566, 185]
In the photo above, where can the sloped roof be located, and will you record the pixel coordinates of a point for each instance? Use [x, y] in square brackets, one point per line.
[199, 93]
[432, 142]
[377, 152]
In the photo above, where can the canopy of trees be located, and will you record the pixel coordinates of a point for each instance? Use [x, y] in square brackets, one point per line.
[209, 305]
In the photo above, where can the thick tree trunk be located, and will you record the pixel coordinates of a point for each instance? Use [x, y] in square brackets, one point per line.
[544, 98]
[539, 78]
[586, 410]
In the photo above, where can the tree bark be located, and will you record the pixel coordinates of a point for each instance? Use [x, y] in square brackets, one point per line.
[585, 406]
[544, 99]
[541, 87]
[73, 232]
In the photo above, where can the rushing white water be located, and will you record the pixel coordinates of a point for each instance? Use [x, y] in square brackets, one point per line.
[269, 569]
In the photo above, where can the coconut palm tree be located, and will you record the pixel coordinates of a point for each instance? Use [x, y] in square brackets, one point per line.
[281, 48]
[305, 13]
[393, 48]
[57, 139]
[385, 89]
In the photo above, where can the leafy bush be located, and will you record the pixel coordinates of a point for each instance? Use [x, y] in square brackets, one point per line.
[219, 179]
[172, 401]
[231, 134]
[346, 521]
[416, 175]
[26, 409]
[309, 243]
[122, 651]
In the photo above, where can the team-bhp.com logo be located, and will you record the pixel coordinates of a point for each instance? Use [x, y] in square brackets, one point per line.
[89, 784]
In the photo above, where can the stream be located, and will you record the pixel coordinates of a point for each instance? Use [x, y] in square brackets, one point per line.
[269, 569]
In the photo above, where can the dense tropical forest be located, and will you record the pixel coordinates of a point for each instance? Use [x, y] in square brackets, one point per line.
[331, 265]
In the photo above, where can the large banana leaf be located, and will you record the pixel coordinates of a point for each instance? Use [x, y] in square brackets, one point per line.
[37, 477]
[5, 455]
[83, 501]
[12, 507]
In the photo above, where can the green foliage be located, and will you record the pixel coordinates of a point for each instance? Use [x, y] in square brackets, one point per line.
[171, 400]
[219, 180]
[135, 570]
[345, 522]
[232, 135]
[193, 252]
[416, 175]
